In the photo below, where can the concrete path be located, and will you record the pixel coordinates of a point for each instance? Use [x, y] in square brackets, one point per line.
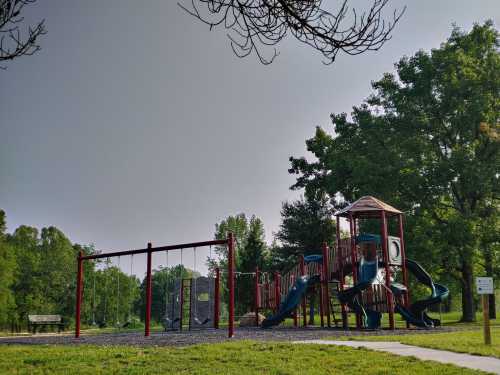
[474, 362]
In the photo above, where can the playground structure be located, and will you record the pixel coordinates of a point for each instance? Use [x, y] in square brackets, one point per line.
[364, 274]
[375, 266]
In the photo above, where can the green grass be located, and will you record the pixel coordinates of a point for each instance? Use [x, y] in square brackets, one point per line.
[467, 341]
[227, 358]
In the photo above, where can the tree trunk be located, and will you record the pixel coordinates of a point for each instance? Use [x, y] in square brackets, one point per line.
[488, 260]
[468, 312]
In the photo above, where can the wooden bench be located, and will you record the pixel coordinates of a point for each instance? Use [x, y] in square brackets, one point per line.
[35, 321]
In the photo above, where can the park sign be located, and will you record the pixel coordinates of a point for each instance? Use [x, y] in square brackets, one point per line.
[484, 285]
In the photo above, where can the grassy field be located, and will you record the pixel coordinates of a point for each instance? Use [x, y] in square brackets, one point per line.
[468, 341]
[228, 358]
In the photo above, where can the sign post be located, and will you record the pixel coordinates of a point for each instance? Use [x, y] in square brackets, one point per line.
[484, 287]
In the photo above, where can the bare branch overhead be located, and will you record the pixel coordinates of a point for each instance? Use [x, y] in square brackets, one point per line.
[258, 25]
[14, 43]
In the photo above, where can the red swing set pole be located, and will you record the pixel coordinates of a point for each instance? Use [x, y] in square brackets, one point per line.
[230, 265]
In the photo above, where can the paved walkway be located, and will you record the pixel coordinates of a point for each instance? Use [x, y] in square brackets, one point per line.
[474, 362]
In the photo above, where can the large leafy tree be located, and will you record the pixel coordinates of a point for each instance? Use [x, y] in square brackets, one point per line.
[38, 276]
[57, 271]
[426, 141]
[7, 272]
[305, 224]
[27, 286]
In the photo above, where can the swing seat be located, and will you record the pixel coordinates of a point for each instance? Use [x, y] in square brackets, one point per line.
[202, 323]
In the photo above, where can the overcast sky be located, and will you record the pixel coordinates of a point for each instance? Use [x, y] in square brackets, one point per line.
[135, 123]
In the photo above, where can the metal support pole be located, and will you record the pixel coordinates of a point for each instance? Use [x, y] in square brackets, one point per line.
[190, 303]
[256, 297]
[390, 302]
[277, 296]
[230, 275]
[486, 319]
[340, 266]
[304, 307]
[354, 259]
[79, 282]
[321, 301]
[295, 318]
[148, 292]
[403, 266]
[181, 307]
[217, 298]
[326, 275]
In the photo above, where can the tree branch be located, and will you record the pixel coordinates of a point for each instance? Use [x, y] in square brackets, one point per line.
[12, 43]
[257, 24]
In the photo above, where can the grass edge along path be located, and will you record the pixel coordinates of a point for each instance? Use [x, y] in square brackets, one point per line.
[466, 341]
[242, 357]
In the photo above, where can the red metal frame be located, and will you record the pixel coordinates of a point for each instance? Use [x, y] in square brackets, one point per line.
[340, 263]
[403, 264]
[149, 251]
[390, 302]
[230, 265]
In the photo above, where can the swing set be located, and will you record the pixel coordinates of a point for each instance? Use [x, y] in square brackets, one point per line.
[197, 286]
[201, 292]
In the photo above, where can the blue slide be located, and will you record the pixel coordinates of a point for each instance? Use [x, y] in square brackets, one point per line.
[367, 275]
[416, 314]
[291, 301]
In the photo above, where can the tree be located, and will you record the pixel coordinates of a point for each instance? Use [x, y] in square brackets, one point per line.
[27, 286]
[113, 297]
[7, 272]
[250, 252]
[427, 142]
[45, 277]
[57, 272]
[257, 24]
[305, 225]
[12, 43]
[254, 254]
[238, 225]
